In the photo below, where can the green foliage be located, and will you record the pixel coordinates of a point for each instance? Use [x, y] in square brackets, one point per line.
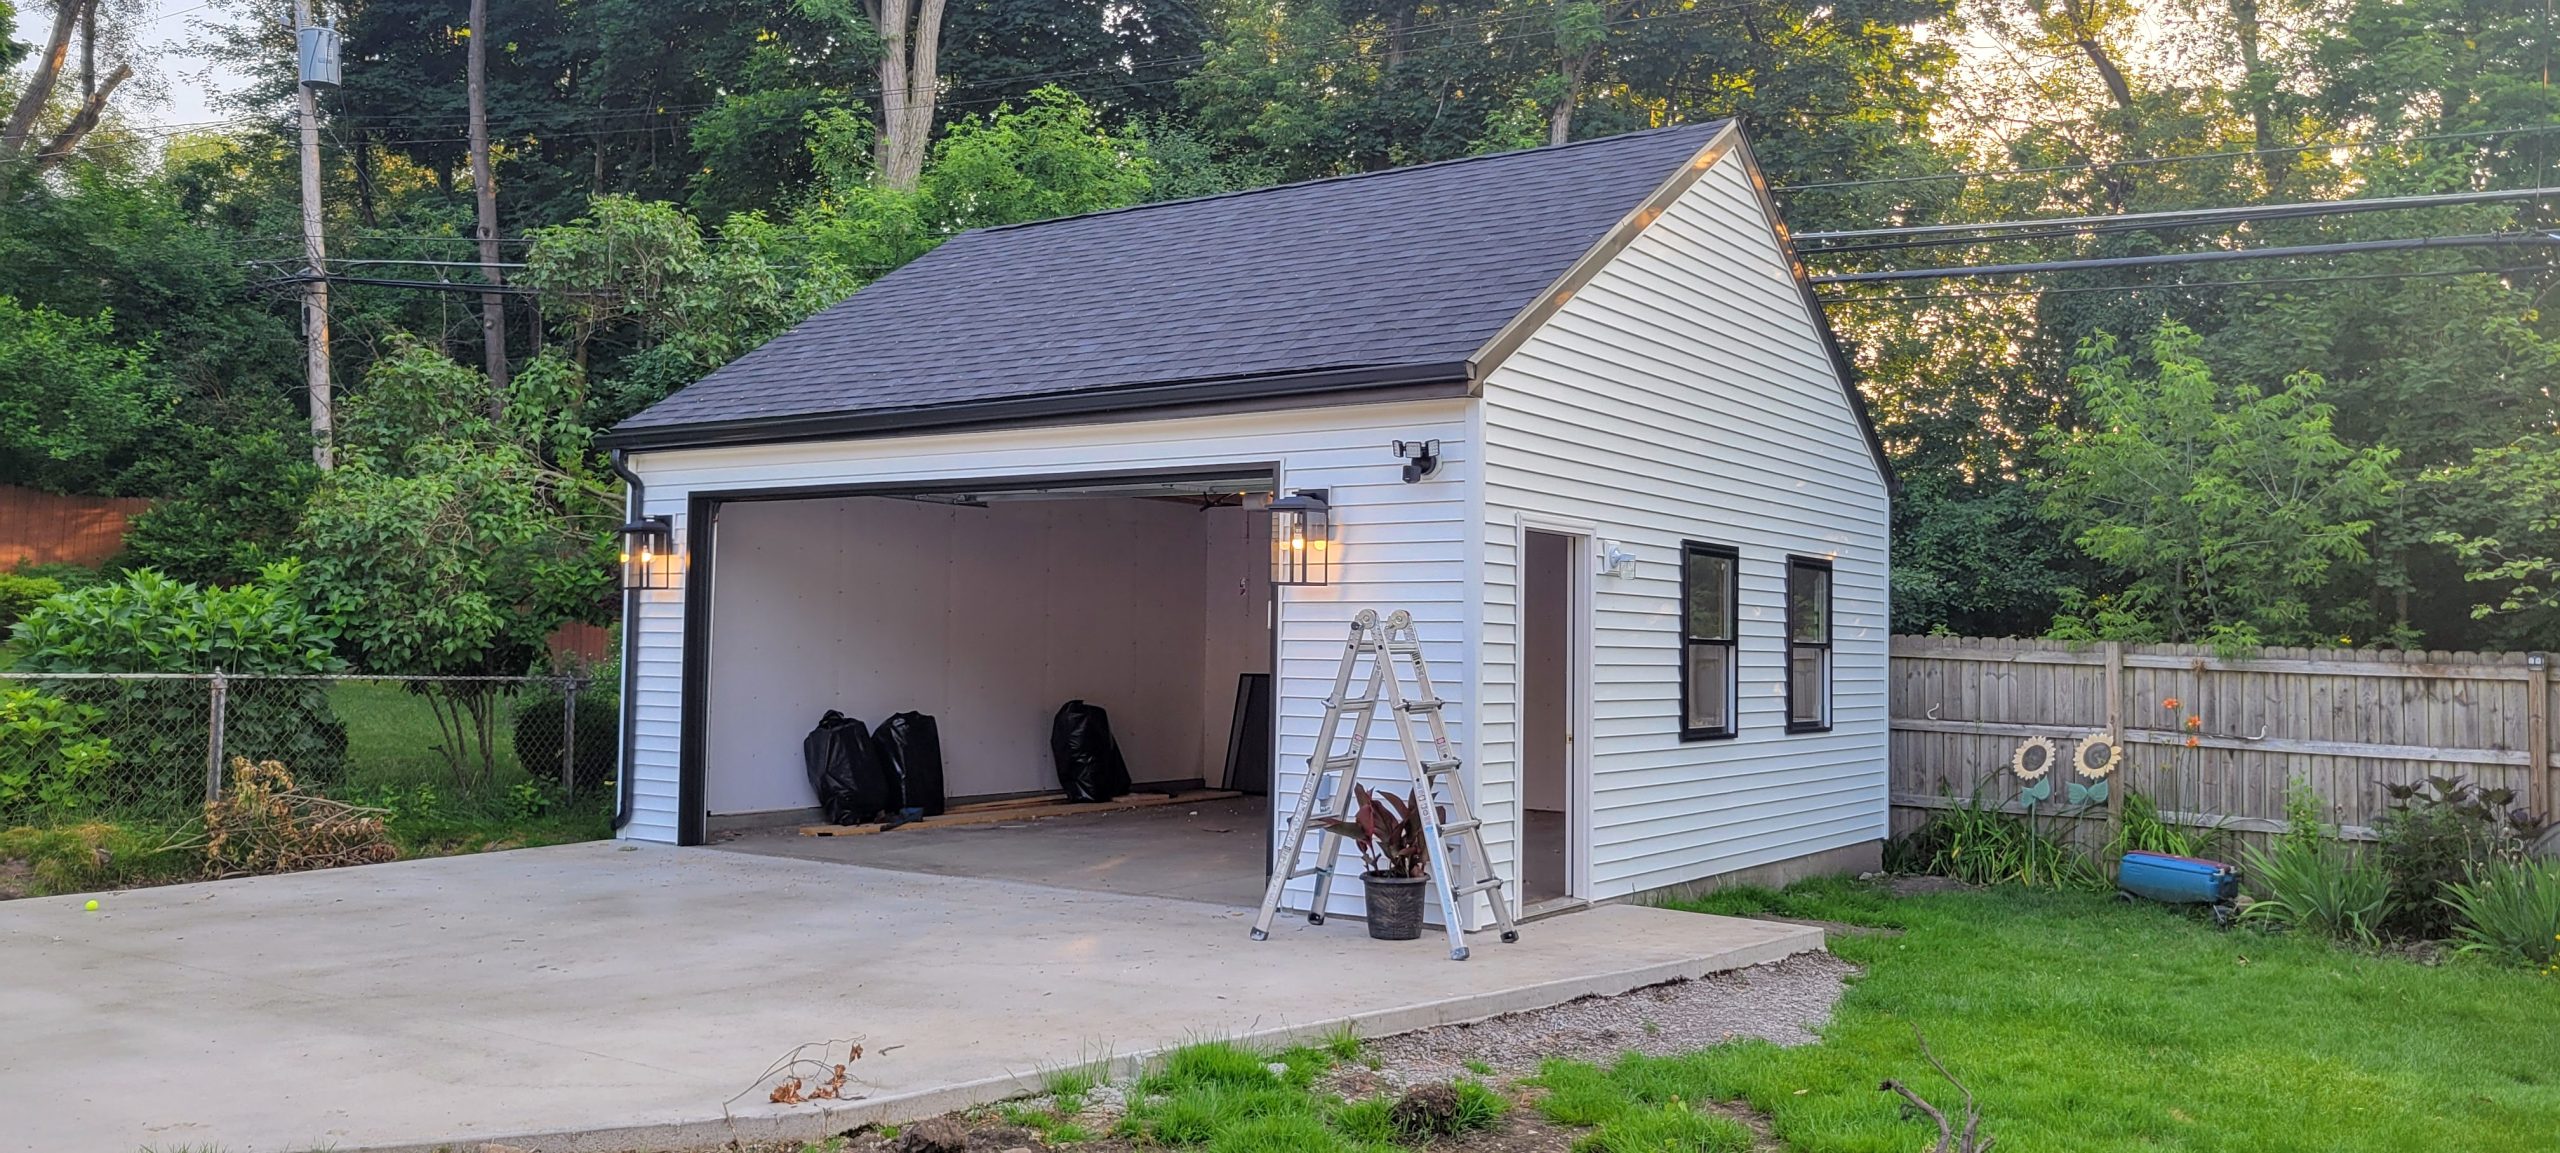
[2140, 829]
[48, 754]
[20, 592]
[2506, 545]
[2438, 832]
[536, 731]
[1049, 157]
[2325, 891]
[1979, 844]
[74, 403]
[2221, 507]
[148, 623]
[234, 518]
[2509, 912]
[95, 856]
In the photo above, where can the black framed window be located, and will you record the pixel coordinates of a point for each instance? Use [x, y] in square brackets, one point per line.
[1709, 591]
[1808, 644]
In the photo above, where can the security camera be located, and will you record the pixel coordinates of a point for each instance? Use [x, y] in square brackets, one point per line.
[1421, 458]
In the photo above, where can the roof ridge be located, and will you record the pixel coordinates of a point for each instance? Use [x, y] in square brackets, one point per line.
[1345, 177]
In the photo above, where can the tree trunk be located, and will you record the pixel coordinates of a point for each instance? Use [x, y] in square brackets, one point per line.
[910, 71]
[2085, 38]
[1560, 119]
[2259, 93]
[48, 69]
[484, 190]
[58, 149]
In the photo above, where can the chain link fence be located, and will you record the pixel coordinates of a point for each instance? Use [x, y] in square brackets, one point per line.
[152, 747]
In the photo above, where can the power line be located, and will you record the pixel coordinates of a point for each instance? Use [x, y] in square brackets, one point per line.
[2147, 161]
[1923, 235]
[2326, 278]
[2208, 257]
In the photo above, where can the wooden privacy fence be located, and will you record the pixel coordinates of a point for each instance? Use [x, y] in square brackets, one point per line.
[2348, 721]
[47, 528]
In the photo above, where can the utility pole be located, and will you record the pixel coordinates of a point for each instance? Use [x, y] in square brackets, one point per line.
[316, 58]
[484, 189]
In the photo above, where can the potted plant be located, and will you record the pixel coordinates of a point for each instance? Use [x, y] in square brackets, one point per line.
[1388, 830]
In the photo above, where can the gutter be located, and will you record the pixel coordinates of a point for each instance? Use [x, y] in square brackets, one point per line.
[1047, 409]
[634, 502]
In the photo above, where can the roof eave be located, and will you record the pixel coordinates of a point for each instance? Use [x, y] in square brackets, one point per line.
[1057, 408]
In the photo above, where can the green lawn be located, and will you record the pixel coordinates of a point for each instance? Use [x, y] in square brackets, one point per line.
[2081, 1024]
[2087, 1025]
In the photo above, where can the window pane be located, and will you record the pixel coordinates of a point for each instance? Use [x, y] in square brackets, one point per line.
[1710, 597]
[1710, 688]
[1809, 690]
[1809, 602]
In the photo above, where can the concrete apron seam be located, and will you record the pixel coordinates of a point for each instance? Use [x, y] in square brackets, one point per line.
[808, 1124]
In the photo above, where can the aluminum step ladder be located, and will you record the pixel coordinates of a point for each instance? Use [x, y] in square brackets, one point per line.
[1455, 841]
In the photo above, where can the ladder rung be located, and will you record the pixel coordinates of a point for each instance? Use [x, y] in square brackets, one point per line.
[1455, 828]
[1309, 871]
[1421, 706]
[1486, 885]
[1439, 766]
[1353, 703]
[1338, 764]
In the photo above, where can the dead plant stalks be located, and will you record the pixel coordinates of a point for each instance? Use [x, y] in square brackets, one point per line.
[263, 823]
[799, 1078]
[1951, 1139]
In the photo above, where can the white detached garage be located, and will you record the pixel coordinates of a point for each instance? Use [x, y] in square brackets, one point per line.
[1648, 562]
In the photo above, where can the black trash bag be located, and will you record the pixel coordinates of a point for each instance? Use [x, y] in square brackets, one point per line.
[912, 745]
[853, 781]
[1089, 764]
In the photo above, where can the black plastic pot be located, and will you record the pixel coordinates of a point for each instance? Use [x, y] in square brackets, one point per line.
[1395, 906]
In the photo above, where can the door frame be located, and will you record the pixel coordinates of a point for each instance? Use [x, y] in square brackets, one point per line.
[1579, 538]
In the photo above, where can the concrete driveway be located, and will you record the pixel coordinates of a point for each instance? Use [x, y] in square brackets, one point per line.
[608, 997]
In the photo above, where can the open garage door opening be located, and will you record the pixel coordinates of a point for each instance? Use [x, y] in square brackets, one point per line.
[989, 607]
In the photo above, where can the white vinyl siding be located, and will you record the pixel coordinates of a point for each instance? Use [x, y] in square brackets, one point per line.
[1402, 545]
[1685, 393]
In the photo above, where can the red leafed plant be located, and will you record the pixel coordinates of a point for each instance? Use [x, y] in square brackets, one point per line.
[1388, 829]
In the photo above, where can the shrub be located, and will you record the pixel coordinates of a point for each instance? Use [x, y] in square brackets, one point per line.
[2436, 834]
[88, 857]
[2323, 890]
[2509, 911]
[147, 623]
[20, 592]
[47, 754]
[536, 733]
[1979, 844]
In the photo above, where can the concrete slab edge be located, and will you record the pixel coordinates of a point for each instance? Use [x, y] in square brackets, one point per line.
[812, 1124]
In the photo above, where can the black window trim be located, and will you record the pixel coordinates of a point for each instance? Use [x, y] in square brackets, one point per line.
[1690, 550]
[1830, 663]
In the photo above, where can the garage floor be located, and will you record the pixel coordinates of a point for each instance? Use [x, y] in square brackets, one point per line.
[1212, 851]
[603, 997]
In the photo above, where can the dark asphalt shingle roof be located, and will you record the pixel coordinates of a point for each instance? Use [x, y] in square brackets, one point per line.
[1403, 268]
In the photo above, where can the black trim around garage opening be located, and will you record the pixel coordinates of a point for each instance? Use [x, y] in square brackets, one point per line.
[702, 514]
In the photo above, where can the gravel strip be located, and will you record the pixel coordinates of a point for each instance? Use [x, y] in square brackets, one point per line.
[1782, 1002]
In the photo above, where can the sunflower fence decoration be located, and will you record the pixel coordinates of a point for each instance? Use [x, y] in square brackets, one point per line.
[2032, 764]
[2093, 766]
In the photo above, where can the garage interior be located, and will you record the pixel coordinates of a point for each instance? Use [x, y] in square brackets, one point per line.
[989, 609]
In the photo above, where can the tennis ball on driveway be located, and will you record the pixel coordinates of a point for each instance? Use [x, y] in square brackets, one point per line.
[92, 906]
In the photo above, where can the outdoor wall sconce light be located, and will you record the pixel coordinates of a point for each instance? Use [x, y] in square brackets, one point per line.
[648, 553]
[1302, 538]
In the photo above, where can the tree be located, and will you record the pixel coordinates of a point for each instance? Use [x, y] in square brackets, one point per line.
[2220, 508]
[20, 127]
[2508, 498]
[450, 544]
[73, 402]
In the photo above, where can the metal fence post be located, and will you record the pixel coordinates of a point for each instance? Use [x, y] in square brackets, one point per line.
[568, 735]
[219, 695]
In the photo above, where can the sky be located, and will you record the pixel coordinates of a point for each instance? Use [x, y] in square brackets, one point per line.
[189, 83]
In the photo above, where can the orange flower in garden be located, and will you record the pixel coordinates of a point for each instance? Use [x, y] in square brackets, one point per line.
[2171, 703]
[2194, 723]
[2191, 742]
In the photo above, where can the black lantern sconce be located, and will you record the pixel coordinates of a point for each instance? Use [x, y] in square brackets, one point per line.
[1302, 539]
[648, 553]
